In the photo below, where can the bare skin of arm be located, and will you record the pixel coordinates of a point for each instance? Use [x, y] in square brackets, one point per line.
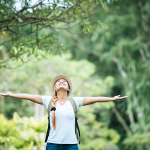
[34, 98]
[91, 100]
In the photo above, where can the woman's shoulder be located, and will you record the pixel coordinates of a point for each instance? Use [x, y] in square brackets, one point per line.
[46, 96]
[77, 98]
[78, 101]
[46, 99]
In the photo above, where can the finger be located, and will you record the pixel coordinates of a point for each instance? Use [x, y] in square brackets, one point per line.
[123, 97]
[2, 93]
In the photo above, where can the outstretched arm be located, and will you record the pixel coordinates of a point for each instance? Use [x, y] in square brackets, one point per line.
[34, 98]
[91, 100]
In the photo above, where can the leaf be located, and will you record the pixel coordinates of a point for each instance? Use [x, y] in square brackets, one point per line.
[15, 50]
[19, 28]
[4, 33]
[102, 3]
[19, 19]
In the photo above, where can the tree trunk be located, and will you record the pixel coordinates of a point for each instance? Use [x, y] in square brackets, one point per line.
[2, 104]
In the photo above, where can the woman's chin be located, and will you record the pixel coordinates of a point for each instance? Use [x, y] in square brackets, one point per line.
[62, 88]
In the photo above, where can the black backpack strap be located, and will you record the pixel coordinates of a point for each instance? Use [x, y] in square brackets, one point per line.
[48, 110]
[73, 103]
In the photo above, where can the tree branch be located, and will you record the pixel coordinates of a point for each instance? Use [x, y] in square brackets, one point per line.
[121, 120]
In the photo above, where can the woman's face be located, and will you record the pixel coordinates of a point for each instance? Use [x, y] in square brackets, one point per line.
[61, 84]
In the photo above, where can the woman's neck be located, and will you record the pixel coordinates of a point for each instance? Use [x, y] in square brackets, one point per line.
[62, 96]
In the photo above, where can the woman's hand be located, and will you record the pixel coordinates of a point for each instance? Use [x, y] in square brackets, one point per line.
[5, 94]
[118, 97]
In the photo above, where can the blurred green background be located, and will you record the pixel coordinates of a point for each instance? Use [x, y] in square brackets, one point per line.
[104, 53]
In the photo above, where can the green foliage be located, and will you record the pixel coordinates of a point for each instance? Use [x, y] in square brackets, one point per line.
[37, 126]
[95, 134]
[138, 140]
[8, 129]
[24, 133]
[21, 133]
[28, 30]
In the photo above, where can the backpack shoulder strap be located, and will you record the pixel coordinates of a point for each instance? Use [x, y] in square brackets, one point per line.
[48, 110]
[73, 103]
[49, 106]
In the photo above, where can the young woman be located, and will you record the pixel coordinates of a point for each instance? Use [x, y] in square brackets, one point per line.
[62, 119]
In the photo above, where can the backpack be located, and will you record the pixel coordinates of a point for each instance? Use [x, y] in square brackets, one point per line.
[77, 130]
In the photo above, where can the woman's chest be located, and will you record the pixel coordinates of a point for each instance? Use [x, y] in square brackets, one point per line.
[64, 111]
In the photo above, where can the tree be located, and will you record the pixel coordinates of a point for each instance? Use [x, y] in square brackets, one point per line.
[28, 29]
